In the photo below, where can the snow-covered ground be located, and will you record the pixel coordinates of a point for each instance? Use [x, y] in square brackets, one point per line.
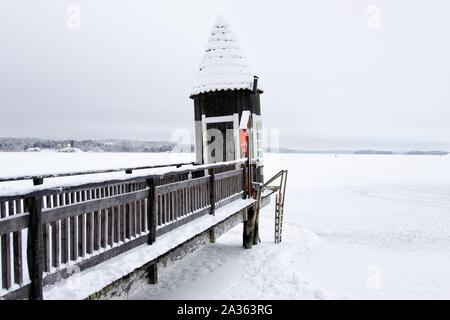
[13, 164]
[355, 226]
[35, 163]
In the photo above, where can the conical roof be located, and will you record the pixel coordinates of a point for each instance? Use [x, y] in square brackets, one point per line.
[224, 65]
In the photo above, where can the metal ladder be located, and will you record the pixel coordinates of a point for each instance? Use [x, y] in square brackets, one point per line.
[280, 191]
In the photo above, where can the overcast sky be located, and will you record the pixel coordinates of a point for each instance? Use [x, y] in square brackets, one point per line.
[336, 74]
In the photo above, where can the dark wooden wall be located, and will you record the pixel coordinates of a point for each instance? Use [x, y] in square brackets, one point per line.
[225, 103]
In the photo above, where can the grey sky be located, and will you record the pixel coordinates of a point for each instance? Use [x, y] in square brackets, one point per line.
[330, 81]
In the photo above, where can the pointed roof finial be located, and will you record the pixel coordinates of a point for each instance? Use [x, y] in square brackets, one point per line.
[224, 65]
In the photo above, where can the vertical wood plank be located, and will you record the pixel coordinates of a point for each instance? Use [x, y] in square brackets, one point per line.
[205, 195]
[35, 250]
[144, 215]
[81, 245]
[111, 219]
[111, 226]
[104, 221]
[104, 228]
[122, 223]
[153, 273]
[73, 232]
[245, 179]
[127, 216]
[249, 229]
[182, 202]
[120, 216]
[133, 218]
[198, 197]
[17, 249]
[175, 206]
[159, 209]
[46, 237]
[89, 226]
[47, 250]
[138, 217]
[172, 206]
[97, 226]
[226, 186]
[5, 250]
[166, 210]
[201, 195]
[186, 190]
[212, 200]
[167, 197]
[82, 235]
[64, 200]
[151, 210]
[192, 198]
[56, 236]
[133, 213]
[116, 218]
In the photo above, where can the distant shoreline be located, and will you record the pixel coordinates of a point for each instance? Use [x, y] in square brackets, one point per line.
[361, 152]
[121, 145]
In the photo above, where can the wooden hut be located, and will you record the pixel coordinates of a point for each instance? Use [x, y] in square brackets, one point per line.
[225, 87]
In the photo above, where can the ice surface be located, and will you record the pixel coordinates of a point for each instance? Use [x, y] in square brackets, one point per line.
[355, 226]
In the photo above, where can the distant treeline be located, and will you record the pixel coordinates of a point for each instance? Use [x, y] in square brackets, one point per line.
[432, 153]
[117, 145]
[286, 150]
[113, 145]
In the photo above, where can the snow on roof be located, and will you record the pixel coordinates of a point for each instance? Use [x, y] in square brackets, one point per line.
[224, 65]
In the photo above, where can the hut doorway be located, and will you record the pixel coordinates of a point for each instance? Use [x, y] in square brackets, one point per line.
[220, 138]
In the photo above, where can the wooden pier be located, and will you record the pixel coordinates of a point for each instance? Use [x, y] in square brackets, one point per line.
[46, 232]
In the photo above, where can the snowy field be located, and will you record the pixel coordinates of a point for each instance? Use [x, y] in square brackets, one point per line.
[33, 163]
[13, 164]
[355, 227]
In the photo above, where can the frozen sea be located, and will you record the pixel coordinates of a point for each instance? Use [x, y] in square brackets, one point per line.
[355, 227]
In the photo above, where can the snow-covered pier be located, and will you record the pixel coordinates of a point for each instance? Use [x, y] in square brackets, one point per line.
[54, 233]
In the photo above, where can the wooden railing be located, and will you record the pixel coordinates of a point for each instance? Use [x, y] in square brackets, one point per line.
[46, 233]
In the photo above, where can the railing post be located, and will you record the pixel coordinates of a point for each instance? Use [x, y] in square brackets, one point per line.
[212, 235]
[35, 248]
[256, 238]
[249, 229]
[244, 180]
[249, 179]
[212, 191]
[151, 209]
[153, 273]
[38, 181]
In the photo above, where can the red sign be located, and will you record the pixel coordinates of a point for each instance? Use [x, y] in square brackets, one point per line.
[244, 141]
